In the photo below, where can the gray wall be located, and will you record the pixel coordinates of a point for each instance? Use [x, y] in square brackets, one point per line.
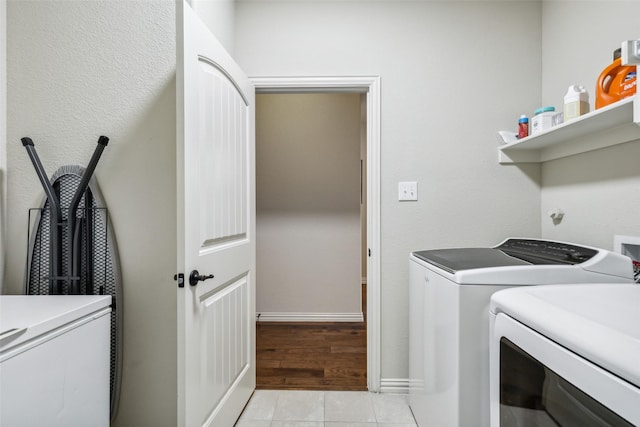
[308, 204]
[219, 16]
[3, 136]
[76, 70]
[452, 74]
[598, 191]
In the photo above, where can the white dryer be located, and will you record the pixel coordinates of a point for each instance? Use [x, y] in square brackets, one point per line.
[565, 355]
[450, 290]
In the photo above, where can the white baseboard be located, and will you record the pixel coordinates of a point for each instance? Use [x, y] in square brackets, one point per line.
[310, 317]
[394, 385]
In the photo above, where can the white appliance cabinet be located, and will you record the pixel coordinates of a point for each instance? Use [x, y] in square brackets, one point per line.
[608, 126]
[54, 360]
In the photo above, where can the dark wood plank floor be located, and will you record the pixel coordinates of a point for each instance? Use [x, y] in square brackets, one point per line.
[312, 356]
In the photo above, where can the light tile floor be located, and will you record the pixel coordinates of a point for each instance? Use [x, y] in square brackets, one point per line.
[274, 408]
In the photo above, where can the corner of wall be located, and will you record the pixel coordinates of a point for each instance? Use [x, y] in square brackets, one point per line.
[3, 133]
[219, 17]
[607, 175]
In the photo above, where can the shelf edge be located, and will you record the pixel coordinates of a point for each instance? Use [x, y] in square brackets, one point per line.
[550, 145]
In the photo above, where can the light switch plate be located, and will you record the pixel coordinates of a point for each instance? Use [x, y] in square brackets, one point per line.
[408, 190]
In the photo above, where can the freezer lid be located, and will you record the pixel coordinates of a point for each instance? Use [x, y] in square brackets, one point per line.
[24, 317]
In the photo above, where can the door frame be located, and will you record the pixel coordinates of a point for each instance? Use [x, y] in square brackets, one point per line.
[371, 86]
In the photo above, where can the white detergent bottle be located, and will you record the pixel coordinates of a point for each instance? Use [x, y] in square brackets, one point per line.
[576, 102]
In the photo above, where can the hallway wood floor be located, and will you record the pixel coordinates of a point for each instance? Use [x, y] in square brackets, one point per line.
[312, 356]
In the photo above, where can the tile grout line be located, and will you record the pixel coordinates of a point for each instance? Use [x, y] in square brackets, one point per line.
[369, 398]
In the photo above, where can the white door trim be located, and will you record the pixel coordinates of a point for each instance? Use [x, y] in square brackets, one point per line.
[371, 86]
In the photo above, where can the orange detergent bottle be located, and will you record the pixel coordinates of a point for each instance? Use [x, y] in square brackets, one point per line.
[616, 82]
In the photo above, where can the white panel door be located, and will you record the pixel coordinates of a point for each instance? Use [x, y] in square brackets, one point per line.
[216, 229]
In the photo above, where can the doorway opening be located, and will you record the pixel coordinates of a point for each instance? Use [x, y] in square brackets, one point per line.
[320, 209]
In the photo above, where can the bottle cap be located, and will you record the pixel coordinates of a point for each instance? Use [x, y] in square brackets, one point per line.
[544, 110]
[617, 53]
[575, 89]
[523, 119]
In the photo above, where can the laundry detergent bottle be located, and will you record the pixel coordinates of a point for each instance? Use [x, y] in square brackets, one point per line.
[616, 82]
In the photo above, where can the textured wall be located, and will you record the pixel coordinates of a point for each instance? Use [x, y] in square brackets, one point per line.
[598, 191]
[219, 16]
[3, 137]
[452, 74]
[76, 70]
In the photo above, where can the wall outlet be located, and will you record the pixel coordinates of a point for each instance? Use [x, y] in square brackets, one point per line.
[408, 190]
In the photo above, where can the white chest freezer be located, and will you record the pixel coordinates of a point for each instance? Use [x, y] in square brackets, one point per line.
[54, 360]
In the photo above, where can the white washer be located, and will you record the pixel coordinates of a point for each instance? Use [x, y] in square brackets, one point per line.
[566, 355]
[450, 291]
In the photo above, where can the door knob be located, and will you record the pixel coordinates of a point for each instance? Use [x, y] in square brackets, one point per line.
[196, 277]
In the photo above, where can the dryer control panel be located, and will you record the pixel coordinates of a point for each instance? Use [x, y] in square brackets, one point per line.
[544, 252]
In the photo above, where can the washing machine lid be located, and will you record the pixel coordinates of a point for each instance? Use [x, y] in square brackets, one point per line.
[599, 322]
[457, 259]
[511, 252]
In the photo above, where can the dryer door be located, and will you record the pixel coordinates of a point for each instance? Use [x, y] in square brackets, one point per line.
[533, 379]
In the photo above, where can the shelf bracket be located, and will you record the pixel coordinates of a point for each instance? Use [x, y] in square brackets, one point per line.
[630, 50]
[636, 109]
[506, 157]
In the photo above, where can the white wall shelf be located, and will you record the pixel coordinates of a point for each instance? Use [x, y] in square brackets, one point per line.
[611, 125]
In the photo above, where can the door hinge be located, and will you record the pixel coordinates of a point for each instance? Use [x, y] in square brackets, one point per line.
[180, 278]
